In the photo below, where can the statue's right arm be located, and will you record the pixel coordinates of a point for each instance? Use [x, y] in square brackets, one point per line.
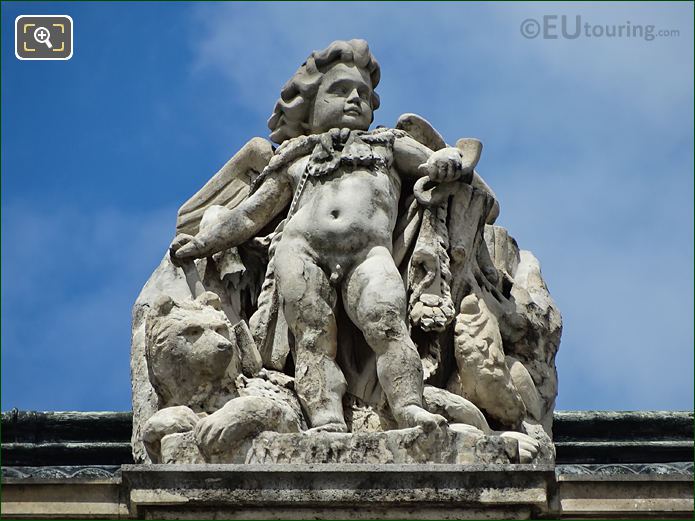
[230, 228]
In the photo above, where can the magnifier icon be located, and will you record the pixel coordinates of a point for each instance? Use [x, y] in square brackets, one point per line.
[43, 35]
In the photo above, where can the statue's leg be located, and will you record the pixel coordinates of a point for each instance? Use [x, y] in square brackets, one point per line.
[375, 300]
[309, 302]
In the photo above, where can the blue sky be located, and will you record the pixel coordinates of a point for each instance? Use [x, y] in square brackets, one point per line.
[588, 145]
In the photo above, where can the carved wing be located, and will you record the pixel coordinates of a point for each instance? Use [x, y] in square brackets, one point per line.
[228, 187]
[421, 130]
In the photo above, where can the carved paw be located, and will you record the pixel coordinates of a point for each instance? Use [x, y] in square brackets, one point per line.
[528, 447]
[453, 407]
[169, 420]
[224, 432]
[217, 432]
[432, 312]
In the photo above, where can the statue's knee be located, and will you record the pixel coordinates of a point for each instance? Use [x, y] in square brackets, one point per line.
[382, 324]
[315, 333]
[291, 286]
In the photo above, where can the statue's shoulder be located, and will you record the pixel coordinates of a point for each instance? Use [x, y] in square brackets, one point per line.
[229, 186]
[408, 125]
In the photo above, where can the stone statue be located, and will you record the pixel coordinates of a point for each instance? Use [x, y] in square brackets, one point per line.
[345, 290]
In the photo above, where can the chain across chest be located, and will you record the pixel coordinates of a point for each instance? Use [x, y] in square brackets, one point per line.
[367, 151]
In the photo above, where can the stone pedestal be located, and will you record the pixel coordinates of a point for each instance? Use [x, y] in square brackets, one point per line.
[339, 491]
[610, 465]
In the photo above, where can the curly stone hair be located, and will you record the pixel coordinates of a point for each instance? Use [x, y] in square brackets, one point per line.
[291, 112]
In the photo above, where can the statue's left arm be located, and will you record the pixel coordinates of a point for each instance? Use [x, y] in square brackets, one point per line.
[413, 159]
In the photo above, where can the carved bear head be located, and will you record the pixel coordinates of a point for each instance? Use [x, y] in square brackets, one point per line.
[191, 358]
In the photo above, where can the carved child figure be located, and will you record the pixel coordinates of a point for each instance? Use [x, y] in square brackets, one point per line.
[344, 184]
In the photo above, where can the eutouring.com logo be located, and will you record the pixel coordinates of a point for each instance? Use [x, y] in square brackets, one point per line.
[553, 27]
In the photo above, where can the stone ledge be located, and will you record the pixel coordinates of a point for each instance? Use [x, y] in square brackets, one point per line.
[86, 498]
[349, 491]
[341, 490]
[626, 496]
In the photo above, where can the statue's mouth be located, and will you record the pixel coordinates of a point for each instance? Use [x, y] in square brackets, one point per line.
[353, 112]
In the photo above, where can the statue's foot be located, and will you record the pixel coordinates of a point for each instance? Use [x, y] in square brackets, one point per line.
[416, 416]
[328, 427]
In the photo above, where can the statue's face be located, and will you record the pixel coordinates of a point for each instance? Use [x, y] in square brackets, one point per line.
[343, 100]
[193, 349]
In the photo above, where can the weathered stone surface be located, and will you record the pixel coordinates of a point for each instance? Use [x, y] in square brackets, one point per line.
[454, 407]
[595, 438]
[312, 290]
[225, 435]
[456, 443]
[483, 376]
[180, 448]
[190, 358]
[338, 491]
[626, 494]
[228, 186]
[660, 488]
[535, 339]
[522, 381]
[421, 130]
[275, 385]
[167, 421]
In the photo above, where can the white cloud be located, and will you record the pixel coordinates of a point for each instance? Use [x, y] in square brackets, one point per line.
[588, 144]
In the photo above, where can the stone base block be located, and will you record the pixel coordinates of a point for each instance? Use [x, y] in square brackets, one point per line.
[453, 444]
[456, 444]
[338, 491]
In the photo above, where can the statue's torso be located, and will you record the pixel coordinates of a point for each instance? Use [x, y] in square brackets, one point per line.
[352, 206]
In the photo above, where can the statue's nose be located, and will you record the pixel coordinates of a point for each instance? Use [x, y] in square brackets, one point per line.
[224, 345]
[353, 97]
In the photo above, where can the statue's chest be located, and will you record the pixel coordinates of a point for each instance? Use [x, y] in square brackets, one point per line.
[360, 153]
[360, 150]
[330, 156]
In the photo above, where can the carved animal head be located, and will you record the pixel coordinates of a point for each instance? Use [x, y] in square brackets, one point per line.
[190, 356]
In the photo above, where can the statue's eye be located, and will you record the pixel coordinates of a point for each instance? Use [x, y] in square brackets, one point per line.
[222, 330]
[192, 333]
[339, 90]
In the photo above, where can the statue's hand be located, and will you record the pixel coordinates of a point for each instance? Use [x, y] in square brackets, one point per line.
[184, 247]
[445, 165]
[448, 165]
